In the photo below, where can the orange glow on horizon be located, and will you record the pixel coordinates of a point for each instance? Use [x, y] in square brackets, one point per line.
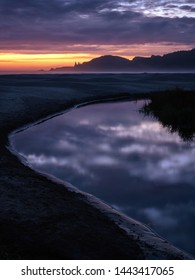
[22, 61]
[36, 62]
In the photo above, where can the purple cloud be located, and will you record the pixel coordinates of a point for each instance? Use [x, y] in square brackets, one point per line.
[29, 24]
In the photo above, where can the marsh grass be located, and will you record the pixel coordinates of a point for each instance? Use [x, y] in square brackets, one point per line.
[175, 110]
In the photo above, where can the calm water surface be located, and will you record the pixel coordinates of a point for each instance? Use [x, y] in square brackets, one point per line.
[124, 158]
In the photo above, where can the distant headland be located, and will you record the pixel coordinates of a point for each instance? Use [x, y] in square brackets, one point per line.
[175, 61]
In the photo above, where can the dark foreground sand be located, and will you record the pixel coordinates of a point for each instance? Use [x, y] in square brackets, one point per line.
[41, 218]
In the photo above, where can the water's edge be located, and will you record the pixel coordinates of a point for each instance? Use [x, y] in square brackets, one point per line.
[44, 220]
[148, 240]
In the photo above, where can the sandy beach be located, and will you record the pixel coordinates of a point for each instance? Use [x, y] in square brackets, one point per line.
[42, 217]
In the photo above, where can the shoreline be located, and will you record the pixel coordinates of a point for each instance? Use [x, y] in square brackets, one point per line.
[43, 212]
[133, 228]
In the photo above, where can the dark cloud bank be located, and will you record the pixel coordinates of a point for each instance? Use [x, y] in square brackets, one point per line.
[25, 23]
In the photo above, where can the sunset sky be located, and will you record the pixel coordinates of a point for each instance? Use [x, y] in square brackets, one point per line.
[40, 34]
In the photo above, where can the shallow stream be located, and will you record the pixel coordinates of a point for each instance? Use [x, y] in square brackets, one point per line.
[124, 158]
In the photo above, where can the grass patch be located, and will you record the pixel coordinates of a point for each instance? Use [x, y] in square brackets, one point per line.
[175, 110]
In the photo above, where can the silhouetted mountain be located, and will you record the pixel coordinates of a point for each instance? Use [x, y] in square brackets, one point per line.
[181, 60]
[176, 61]
[105, 63]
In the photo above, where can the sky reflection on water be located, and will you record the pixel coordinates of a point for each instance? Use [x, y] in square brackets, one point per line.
[124, 158]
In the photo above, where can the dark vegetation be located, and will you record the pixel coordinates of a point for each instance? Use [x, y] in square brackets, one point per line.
[175, 109]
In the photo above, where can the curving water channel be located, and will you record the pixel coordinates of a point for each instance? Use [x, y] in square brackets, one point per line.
[126, 159]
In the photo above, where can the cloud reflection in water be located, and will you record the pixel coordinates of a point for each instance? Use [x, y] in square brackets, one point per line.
[130, 161]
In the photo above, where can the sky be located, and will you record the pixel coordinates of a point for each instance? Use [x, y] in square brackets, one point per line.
[41, 34]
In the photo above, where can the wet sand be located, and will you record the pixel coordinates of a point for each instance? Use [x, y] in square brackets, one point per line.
[41, 217]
